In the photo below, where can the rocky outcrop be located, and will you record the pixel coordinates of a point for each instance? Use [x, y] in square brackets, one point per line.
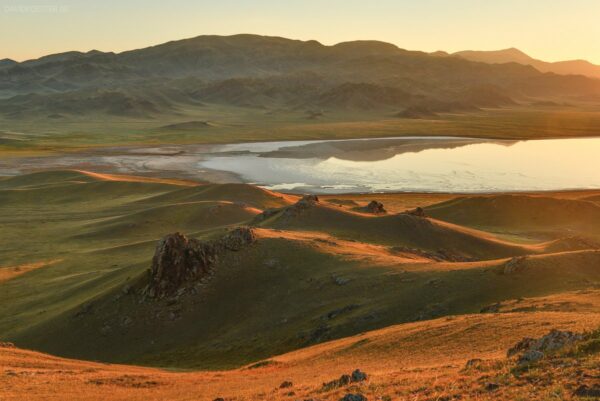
[179, 259]
[357, 376]
[531, 349]
[375, 207]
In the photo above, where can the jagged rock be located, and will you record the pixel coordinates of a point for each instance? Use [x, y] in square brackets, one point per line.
[219, 399]
[491, 387]
[286, 384]
[375, 208]
[530, 357]
[353, 397]
[552, 341]
[6, 345]
[358, 376]
[238, 238]
[179, 259]
[344, 380]
[514, 265]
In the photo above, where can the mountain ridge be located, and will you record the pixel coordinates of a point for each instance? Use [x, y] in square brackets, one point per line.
[514, 55]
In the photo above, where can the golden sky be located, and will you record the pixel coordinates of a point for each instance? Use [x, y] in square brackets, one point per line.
[547, 29]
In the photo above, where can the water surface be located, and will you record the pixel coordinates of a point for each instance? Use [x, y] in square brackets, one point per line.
[440, 164]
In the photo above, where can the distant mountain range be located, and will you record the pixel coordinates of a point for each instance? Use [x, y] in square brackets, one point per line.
[571, 67]
[274, 73]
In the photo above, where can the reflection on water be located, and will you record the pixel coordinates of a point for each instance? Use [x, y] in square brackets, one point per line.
[414, 164]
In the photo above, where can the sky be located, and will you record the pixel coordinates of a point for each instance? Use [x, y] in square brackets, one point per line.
[550, 30]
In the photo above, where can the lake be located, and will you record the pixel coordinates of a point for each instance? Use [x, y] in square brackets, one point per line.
[417, 164]
[410, 164]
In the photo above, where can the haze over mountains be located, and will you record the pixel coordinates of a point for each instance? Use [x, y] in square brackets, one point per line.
[512, 55]
[271, 73]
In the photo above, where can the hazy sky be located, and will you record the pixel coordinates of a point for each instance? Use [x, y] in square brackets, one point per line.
[546, 29]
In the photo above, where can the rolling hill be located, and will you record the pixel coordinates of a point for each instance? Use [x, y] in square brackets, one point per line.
[75, 273]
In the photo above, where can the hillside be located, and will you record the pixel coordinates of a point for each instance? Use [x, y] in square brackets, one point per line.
[312, 271]
[571, 67]
[424, 359]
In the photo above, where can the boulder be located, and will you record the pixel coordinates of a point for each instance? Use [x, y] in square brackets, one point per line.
[552, 341]
[358, 376]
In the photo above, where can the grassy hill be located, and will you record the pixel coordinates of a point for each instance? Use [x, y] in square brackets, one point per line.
[74, 268]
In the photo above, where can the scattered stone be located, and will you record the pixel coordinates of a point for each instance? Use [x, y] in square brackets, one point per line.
[286, 384]
[375, 208]
[491, 387]
[353, 397]
[341, 280]
[6, 345]
[473, 363]
[344, 380]
[219, 399]
[358, 376]
[589, 392]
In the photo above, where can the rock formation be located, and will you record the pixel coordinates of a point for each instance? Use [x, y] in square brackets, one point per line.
[179, 259]
[375, 208]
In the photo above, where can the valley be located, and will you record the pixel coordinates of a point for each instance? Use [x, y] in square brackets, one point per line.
[323, 285]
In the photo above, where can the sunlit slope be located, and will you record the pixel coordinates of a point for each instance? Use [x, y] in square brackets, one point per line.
[522, 213]
[290, 290]
[77, 247]
[402, 230]
[422, 358]
[69, 236]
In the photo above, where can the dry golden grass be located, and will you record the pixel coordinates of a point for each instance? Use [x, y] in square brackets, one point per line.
[422, 360]
[137, 178]
[10, 272]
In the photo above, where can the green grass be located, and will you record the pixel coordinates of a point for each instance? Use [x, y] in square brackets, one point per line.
[277, 295]
[232, 124]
